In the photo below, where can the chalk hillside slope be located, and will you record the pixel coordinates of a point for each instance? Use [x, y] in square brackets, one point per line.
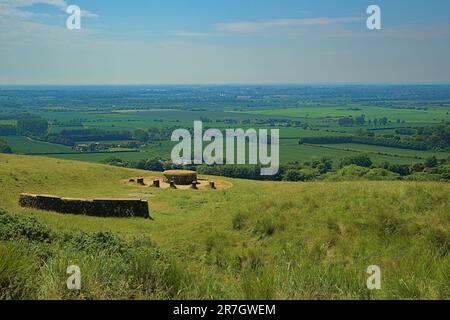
[275, 240]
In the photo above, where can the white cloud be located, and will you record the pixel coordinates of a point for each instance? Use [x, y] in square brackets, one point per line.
[11, 12]
[16, 8]
[88, 14]
[189, 34]
[294, 26]
[284, 23]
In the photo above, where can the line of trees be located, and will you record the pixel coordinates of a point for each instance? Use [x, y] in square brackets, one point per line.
[32, 126]
[361, 121]
[94, 135]
[426, 138]
[38, 128]
[348, 168]
[8, 130]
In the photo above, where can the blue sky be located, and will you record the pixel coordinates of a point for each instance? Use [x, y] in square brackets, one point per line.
[218, 41]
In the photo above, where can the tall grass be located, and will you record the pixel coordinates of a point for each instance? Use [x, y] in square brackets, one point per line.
[256, 240]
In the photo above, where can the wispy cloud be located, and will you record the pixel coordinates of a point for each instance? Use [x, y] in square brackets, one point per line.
[285, 23]
[189, 34]
[88, 14]
[273, 25]
[22, 8]
[17, 8]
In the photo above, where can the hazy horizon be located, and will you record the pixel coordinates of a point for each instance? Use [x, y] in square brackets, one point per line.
[231, 42]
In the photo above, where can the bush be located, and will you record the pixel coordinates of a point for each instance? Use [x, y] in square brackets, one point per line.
[111, 267]
[359, 160]
[299, 175]
[353, 171]
[422, 176]
[140, 135]
[101, 241]
[381, 174]
[15, 227]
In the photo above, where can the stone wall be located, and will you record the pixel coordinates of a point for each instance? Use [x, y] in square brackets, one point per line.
[180, 177]
[94, 207]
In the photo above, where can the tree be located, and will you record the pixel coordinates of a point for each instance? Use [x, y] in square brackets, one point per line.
[299, 175]
[361, 120]
[153, 165]
[383, 121]
[346, 122]
[325, 166]
[293, 175]
[401, 169]
[141, 135]
[359, 160]
[32, 126]
[431, 162]
[8, 130]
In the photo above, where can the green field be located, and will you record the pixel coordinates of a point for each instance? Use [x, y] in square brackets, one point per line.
[291, 151]
[24, 145]
[324, 112]
[321, 121]
[256, 240]
[394, 152]
[11, 122]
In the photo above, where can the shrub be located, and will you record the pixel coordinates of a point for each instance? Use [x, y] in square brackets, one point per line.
[422, 176]
[299, 175]
[359, 160]
[381, 174]
[100, 241]
[15, 227]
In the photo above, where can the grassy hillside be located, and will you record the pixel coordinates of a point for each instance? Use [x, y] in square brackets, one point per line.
[254, 240]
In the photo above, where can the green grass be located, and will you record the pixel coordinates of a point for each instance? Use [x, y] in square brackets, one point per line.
[410, 116]
[254, 240]
[26, 145]
[290, 150]
[323, 119]
[395, 152]
[11, 122]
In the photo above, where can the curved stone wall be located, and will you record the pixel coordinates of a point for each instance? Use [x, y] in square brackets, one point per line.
[180, 177]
